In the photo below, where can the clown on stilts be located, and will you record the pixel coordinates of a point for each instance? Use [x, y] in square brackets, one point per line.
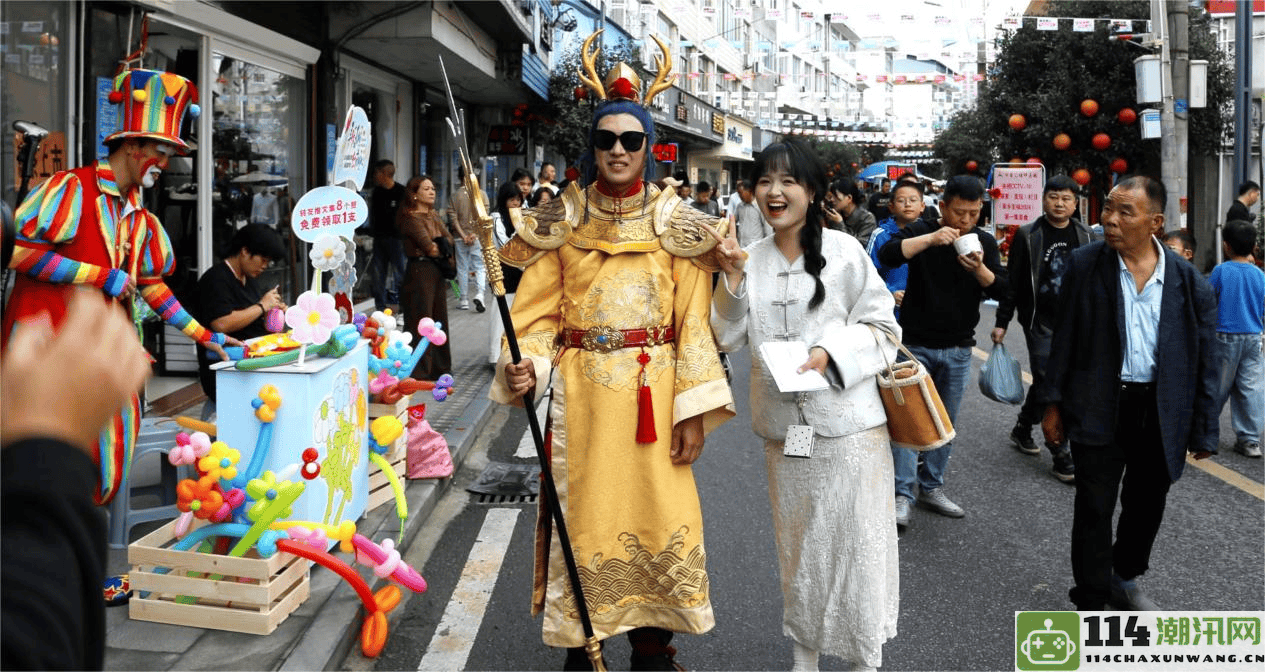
[611, 316]
[86, 227]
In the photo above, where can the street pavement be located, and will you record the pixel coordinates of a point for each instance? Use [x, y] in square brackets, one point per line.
[961, 580]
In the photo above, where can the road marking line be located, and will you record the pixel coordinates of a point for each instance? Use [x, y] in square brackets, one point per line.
[527, 443]
[1213, 469]
[454, 636]
[1228, 475]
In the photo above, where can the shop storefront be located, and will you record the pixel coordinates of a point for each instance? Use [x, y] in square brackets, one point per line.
[250, 145]
[731, 159]
[693, 124]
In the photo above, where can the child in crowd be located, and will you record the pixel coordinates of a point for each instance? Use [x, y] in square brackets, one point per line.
[1181, 242]
[906, 207]
[1240, 288]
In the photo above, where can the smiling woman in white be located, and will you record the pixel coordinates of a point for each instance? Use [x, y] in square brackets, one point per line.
[833, 514]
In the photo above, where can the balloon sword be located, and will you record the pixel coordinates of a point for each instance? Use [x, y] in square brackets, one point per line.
[496, 280]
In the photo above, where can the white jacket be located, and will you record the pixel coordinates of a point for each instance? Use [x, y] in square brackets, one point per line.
[772, 304]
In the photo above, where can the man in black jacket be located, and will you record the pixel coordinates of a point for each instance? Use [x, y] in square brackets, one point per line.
[1133, 398]
[1241, 208]
[938, 315]
[1038, 259]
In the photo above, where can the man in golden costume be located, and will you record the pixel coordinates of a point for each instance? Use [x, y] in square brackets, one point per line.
[612, 314]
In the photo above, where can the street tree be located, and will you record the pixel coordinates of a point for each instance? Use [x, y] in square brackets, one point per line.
[1033, 103]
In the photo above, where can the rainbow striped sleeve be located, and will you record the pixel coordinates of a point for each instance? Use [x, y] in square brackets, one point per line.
[48, 217]
[50, 214]
[159, 297]
[156, 258]
[48, 266]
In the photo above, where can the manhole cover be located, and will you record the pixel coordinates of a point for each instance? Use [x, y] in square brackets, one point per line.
[500, 479]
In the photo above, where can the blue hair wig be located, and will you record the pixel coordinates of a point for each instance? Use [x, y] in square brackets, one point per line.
[588, 168]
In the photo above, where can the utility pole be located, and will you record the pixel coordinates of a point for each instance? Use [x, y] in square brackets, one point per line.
[1179, 26]
[1242, 92]
[1169, 18]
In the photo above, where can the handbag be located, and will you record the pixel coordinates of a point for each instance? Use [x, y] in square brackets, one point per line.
[916, 417]
[445, 261]
[999, 377]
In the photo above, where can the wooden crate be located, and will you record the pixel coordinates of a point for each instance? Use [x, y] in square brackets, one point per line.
[399, 409]
[202, 590]
[380, 491]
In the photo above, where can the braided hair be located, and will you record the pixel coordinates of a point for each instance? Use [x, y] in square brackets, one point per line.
[796, 159]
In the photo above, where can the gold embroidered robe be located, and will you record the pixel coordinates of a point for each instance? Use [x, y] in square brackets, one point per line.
[636, 525]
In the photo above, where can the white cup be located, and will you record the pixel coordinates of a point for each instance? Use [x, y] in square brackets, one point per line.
[968, 243]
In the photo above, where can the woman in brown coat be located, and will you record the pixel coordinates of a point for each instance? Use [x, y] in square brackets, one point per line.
[428, 246]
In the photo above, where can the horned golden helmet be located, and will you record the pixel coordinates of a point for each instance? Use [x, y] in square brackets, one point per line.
[622, 82]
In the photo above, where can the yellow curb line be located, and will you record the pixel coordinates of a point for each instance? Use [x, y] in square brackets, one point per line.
[1213, 469]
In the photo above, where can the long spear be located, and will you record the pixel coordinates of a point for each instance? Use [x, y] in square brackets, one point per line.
[496, 280]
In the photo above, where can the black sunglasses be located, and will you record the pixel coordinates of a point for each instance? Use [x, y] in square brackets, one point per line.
[631, 140]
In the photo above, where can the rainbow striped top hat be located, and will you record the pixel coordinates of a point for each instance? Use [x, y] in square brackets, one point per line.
[154, 105]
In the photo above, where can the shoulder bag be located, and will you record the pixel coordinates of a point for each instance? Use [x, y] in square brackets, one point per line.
[916, 417]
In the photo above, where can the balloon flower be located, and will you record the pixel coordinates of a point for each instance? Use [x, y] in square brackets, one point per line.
[312, 319]
[328, 253]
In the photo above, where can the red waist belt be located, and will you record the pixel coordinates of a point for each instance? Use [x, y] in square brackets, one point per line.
[607, 339]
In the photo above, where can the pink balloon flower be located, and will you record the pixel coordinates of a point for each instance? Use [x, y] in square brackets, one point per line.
[312, 318]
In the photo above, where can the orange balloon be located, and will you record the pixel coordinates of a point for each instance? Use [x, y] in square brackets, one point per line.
[1119, 165]
[1089, 107]
[1034, 161]
[1101, 141]
[1017, 122]
[373, 634]
[972, 166]
[1127, 116]
[1081, 176]
[1062, 141]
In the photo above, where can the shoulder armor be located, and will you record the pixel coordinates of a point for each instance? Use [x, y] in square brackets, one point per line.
[519, 254]
[680, 226]
[549, 226]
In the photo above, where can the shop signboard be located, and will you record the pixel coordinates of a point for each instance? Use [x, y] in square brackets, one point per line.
[506, 141]
[351, 161]
[1016, 194]
[107, 114]
[328, 210]
[664, 152]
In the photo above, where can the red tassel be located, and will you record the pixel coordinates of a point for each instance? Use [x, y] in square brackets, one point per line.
[645, 406]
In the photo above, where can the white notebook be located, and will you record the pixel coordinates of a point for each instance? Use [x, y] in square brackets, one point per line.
[783, 359]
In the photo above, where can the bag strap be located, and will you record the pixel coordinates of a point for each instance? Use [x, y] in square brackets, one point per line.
[895, 341]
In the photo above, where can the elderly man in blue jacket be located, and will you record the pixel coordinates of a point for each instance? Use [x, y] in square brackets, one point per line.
[1133, 398]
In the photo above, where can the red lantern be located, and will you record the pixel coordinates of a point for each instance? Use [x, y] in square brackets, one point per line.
[1127, 116]
[1101, 141]
[1016, 159]
[1017, 122]
[972, 166]
[1119, 165]
[1034, 161]
[581, 93]
[1089, 107]
[1081, 176]
[1062, 141]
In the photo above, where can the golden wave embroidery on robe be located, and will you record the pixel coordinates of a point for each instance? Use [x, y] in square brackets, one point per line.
[670, 578]
[697, 361]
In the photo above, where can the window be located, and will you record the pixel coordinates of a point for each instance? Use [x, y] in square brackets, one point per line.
[34, 87]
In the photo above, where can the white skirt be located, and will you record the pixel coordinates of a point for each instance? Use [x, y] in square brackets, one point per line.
[835, 522]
